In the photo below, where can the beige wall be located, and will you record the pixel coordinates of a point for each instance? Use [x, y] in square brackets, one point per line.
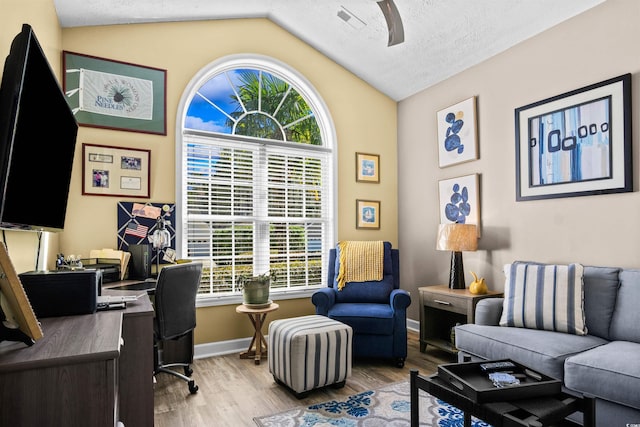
[594, 230]
[365, 121]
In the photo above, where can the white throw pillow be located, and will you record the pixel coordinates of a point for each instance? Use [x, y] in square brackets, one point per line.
[544, 296]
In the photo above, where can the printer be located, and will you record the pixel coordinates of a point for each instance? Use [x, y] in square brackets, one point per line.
[62, 292]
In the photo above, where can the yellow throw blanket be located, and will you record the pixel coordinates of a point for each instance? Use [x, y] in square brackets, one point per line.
[360, 261]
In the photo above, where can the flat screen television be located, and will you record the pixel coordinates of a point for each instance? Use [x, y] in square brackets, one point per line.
[38, 134]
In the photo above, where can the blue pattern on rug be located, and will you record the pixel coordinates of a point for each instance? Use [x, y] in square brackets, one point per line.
[356, 405]
[389, 406]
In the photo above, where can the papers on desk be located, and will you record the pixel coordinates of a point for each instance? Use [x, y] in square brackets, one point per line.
[111, 253]
[115, 302]
[111, 299]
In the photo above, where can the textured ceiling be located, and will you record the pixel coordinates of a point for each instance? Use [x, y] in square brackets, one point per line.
[442, 37]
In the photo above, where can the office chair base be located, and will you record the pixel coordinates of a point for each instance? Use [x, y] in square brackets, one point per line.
[193, 388]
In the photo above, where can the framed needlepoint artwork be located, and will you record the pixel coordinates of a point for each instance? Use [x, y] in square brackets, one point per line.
[111, 94]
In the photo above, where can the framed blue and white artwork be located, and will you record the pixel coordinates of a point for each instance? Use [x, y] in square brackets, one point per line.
[367, 167]
[576, 144]
[460, 200]
[457, 133]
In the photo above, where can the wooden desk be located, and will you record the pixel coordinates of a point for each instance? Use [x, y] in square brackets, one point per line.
[80, 373]
[136, 361]
[67, 378]
[256, 316]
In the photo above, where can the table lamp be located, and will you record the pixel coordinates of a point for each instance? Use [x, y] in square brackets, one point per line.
[160, 239]
[456, 238]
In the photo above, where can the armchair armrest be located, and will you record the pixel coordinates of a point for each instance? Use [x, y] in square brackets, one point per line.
[323, 299]
[488, 311]
[399, 299]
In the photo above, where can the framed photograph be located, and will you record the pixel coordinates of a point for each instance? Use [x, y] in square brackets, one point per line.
[460, 200]
[457, 133]
[576, 144]
[115, 171]
[112, 94]
[15, 303]
[367, 167]
[368, 214]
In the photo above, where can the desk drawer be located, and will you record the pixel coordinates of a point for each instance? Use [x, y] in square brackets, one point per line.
[445, 302]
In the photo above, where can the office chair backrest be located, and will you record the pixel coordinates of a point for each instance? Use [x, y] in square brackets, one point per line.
[175, 299]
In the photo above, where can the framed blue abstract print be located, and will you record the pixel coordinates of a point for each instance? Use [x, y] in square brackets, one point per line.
[576, 144]
[457, 133]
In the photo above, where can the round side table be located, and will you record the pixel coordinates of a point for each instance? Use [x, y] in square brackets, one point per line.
[258, 346]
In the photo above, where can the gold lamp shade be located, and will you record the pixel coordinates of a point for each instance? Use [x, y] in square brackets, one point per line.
[457, 238]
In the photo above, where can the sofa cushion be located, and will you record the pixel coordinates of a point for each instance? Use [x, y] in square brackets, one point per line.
[600, 291]
[626, 317]
[605, 372]
[543, 351]
[544, 296]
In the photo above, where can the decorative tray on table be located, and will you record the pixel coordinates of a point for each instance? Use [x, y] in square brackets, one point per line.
[486, 381]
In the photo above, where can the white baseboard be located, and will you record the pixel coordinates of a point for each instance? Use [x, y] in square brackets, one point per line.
[220, 348]
[413, 325]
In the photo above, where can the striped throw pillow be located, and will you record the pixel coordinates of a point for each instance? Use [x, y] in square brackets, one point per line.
[544, 296]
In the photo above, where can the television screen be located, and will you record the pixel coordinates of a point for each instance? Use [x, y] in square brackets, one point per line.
[37, 140]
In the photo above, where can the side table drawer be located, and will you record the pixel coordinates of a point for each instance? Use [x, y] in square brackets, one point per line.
[446, 302]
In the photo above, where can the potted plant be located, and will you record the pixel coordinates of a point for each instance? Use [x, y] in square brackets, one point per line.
[255, 289]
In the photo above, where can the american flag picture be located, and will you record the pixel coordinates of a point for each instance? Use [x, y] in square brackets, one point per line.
[135, 229]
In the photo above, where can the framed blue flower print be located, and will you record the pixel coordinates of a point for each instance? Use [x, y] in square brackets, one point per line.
[460, 200]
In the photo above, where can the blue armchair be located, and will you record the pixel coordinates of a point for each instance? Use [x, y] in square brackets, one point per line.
[377, 310]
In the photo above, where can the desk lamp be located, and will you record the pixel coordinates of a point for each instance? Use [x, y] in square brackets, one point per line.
[457, 238]
[160, 239]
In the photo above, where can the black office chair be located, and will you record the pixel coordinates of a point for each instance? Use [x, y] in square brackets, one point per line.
[175, 316]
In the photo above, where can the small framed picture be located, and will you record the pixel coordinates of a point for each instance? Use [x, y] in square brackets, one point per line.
[368, 214]
[367, 167]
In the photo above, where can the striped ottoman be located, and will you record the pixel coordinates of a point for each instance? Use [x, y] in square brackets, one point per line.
[309, 352]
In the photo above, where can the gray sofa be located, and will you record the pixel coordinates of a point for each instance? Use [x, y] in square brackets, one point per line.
[604, 363]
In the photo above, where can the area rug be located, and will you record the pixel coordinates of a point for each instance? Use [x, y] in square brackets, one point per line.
[389, 406]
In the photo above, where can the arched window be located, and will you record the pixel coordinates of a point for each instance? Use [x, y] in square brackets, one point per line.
[255, 190]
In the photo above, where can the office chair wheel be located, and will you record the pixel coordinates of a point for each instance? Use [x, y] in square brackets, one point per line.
[400, 363]
[193, 388]
[188, 371]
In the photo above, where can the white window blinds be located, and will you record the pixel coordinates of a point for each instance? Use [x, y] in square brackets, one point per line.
[255, 206]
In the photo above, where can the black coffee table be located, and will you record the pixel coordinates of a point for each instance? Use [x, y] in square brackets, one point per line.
[533, 412]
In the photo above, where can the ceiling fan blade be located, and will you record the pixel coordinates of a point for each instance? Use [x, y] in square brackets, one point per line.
[394, 22]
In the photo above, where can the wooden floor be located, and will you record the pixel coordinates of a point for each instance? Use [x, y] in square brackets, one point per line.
[233, 390]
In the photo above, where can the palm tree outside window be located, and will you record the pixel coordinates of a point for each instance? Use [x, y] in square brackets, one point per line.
[255, 179]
